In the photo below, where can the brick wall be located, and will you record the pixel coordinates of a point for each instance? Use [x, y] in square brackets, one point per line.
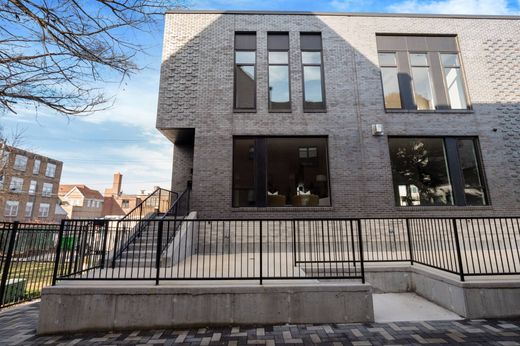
[197, 92]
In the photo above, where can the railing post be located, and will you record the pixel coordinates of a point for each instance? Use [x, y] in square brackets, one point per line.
[409, 232]
[7, 263]
[457, 245]
[116, 251]
[361, 258]
[294, 242]
[58, 252]
[261, 255]
[104, 250]
[158, 252]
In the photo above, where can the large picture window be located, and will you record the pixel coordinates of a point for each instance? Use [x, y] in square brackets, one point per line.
[280, 171]
[436, 171]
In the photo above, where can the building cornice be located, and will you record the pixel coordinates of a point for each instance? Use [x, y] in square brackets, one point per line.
[346, 14]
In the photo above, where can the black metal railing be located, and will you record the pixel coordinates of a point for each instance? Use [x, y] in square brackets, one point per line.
[136, 221]
[27, 259]
[211, 249]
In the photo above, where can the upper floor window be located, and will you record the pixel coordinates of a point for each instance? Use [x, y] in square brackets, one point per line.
[16, 184]
[11, 208]
[47, 190]
[421, 73]
[1, 182]
[279, 85]
[313, 86]
[245, 71]
[437, 171]
[32, 187]
[36, 167]
[44, 210]
[50, 171]
[20, 162]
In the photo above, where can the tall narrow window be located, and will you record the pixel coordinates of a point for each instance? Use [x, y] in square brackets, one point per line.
[32, 187]
[28, 209]
[279, 89]
[244, 173]
[36, 167]
[245, 71]
[454, 83]
[313, 86]
[389, 75]
[422, 81]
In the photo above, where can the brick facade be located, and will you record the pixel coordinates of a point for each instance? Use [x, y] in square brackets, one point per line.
[24, 196]
[196, 92]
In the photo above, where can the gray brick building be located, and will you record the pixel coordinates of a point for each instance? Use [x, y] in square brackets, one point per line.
[342, 115]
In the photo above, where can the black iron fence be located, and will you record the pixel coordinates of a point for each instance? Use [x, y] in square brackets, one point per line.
[211, 249]
[27, 258]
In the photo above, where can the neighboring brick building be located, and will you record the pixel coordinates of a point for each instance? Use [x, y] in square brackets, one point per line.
[346, 114]
[28, 186]
[81, 202]
[116, 203]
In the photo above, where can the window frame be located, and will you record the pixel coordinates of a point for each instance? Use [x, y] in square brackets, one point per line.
[400, 46]
[322, 72]
[11, 205]
[34, 170]
[454, 170]
[47, 170]
[235, 66]
[288, 51]
[30, 214]
[20, 184]
[47, 193]
[32, 191]
[263, 176]
[48, 209]
[18, 167]
[430, 80]
[396, 66]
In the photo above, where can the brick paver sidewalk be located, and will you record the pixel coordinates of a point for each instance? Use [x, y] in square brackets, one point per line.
[18, 327]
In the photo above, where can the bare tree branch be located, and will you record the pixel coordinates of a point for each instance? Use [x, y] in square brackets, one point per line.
[57, 53]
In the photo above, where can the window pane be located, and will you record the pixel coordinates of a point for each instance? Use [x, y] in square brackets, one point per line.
[311, 58]
[245, 87]
[245, 57]
[455, 88]
[297, 173]
[423, 89]
[279, 87]
[450, 60]
[312, 84]
[244, 173]
[387, 59]
[473, 187]
[278, 58]
[418, 59]
[420, 172]
[391, 87]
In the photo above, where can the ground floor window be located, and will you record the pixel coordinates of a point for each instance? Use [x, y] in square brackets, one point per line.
[437, 171]
[280, 171]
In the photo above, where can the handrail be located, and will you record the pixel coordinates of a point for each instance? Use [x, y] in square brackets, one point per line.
[146, 199]
[174, 210]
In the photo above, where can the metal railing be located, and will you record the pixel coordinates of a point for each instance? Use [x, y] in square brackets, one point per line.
[223, 249]
[131, 226]
[27, 260]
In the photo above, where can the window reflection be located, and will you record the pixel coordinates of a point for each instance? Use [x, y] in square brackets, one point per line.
[473, 187]
[422, 82]
[454, 83]
[279, 92]
[420, 171]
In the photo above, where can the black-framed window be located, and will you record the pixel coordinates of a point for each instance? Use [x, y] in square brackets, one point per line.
[279, 77]
[280, 171]
[312, 66]
[437, 171]
[245, 71]
[425, 71]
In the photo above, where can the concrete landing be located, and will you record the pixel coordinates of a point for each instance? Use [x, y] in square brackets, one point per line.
[397, 307]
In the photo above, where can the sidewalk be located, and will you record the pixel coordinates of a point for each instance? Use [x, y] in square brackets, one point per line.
[18, 327]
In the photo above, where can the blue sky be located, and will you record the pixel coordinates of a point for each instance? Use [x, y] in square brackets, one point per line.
[124, 137]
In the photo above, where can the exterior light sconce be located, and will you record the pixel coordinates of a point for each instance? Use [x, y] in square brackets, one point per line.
[377, 130]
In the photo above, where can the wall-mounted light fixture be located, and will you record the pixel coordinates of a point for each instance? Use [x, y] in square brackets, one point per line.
[377, 130]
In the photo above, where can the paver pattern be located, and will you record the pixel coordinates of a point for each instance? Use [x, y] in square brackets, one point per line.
[18, 327]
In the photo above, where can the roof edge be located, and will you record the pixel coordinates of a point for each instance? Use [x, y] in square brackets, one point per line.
[346, 14]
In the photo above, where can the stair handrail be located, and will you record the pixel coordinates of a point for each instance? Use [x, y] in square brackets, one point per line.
[141, 222]
[174, 210]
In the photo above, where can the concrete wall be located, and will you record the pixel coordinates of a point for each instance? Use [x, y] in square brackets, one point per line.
[70, 309]
[197, 92]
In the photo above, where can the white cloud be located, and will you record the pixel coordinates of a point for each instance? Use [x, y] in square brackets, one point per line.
[489, 7]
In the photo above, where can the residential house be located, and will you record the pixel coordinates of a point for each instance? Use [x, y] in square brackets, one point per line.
[28, 186]
[278, 114]
[116, 203]
[81, 202]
